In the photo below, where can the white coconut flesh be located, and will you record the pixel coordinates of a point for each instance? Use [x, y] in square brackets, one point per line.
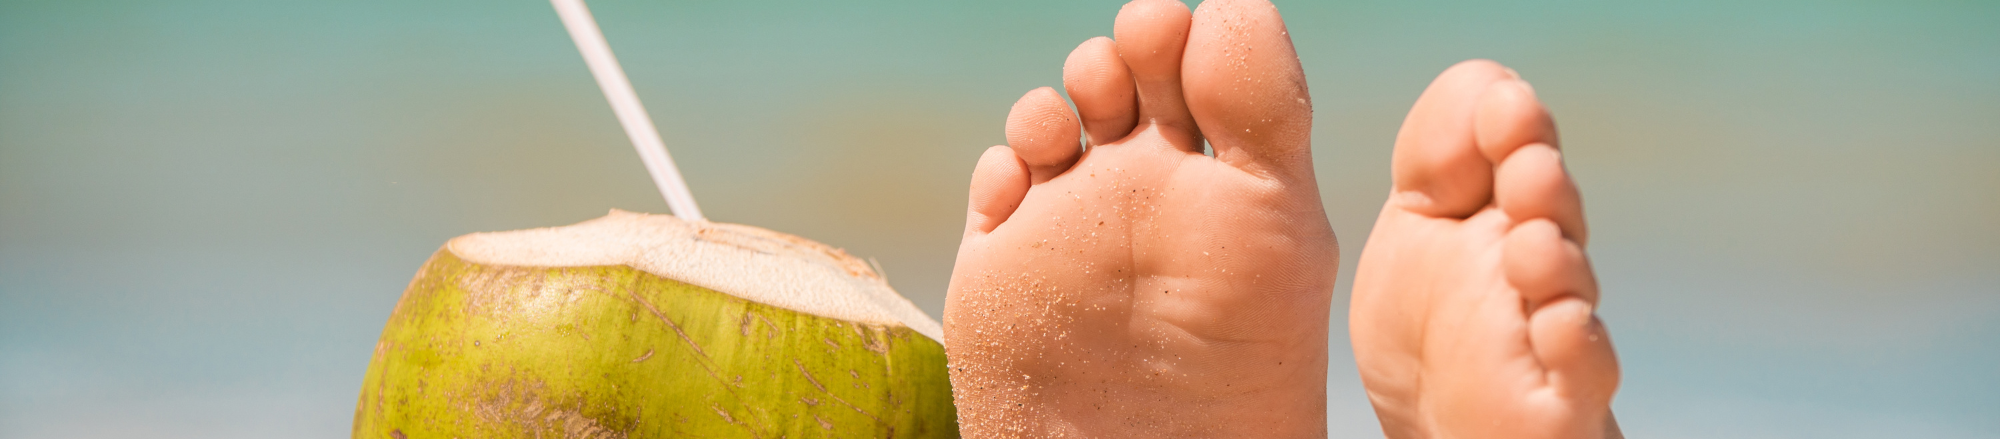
[755, 264]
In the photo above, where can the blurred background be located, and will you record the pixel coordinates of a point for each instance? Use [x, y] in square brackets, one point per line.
[209, 207]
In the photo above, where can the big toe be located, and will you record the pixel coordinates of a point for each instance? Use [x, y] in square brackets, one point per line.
[1438, 167]
[1245, 86]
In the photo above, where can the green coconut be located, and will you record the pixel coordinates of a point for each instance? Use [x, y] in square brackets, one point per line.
[646, 326]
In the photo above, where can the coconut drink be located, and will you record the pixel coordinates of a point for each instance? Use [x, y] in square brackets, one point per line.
[651, 326]
[635, 325]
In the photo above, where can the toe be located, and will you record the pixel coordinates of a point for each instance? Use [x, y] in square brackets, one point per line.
[1532, 184]
[1043, 133]
[1151, 35]
[1555, 279]
[1102, 88]
[999, 183]
[1437, 166]
[1511, 117]
[1245, 87]
[1575, 351]
[1543, 266]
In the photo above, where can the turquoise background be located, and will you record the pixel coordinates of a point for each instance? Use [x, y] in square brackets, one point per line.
[208, 207]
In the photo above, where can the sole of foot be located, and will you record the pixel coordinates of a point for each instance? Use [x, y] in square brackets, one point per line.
[1473, 312]
[1141, 287]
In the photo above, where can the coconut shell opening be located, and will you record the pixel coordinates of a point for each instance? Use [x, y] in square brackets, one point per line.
[755, 264]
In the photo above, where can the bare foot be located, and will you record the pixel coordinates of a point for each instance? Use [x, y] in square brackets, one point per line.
[1141, 288]
[1473, 312]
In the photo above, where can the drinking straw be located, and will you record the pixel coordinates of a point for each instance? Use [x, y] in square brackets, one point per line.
[625, 103]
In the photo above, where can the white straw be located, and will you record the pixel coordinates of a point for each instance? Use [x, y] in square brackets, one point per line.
[625, 102]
